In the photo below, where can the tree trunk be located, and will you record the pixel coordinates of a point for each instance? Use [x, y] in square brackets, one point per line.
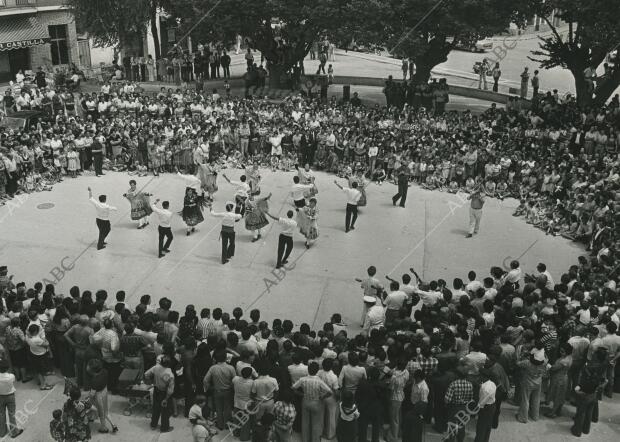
[155, 33]
[276, 72]
[422, 72]
[584, 95]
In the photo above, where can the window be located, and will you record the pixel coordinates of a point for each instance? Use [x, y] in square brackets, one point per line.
[2, 3]
[59, 44]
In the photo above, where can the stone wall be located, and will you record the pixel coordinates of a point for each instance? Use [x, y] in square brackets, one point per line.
[41, 55]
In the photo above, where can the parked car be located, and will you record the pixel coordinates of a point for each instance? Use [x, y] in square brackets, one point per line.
[484, 45]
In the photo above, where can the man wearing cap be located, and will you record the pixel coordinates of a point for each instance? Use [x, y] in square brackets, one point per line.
[475, 210]
[228, 230]
[375, 314]
[103, 217]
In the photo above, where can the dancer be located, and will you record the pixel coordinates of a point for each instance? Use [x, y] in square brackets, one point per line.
[193, 203]
[306, 176]
[307, 222]
[255, 218]
[241, 194]
[207, 173]
[164, 228]
[361, 185]
[475, 210]
[285, 240]
[254, 178]
[353, 196]
[403, 185]
[103, 217]
[229, 218]
[140, 205]
[298, 192]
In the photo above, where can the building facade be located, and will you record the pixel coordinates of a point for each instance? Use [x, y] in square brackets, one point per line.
[36, 33]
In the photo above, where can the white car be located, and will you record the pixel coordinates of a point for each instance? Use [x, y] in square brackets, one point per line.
[484, 45]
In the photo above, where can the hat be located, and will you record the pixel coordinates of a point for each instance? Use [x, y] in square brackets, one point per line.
[370, 299]
[539, 355]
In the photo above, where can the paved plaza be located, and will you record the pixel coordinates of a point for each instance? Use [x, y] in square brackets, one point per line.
[42, 232]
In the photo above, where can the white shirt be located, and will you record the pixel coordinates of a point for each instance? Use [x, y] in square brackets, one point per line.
[395, 300]
[7, 384]
[243, 188]
[487, 393]
[228, 218]
[298, 190]
[429, 298]
[288, 226]
[164, 216]
[353, 195]
[102, 209]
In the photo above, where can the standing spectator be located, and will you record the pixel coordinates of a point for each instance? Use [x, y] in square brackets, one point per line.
[35, 337]
[347, 418]
[99, 393]
[591, 380]
[7, 402]
[486, 407]
[219, 379]
[405, 67]
[559, 380]
[413, 419]
[535, 85]
[371, 398]
[249, 58]
[497, 73]
[107, 340]
[284, 413]
[242, 386]
[351, 375]
[482, 74]
[75, 416]
[475, 211]
[313, 391]
[225, 62]
[531, 370]
[525, 79]
[330, 403]
[162, 378]
[398, 380]
[78, 337]
[322, 62]
[17, 346]
[459, 395]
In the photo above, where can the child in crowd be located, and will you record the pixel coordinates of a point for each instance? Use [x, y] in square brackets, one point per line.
[57, 426]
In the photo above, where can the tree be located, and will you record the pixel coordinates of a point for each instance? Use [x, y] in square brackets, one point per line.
[593, 32]
[111, 22]
[282, 30]
[427, 30]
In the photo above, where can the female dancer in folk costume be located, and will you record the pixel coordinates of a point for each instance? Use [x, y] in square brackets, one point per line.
[207, 173]
[241, 194]
[140, 205]
[255, 215]
[253, 178]
[193, 202]
[307, 222]
[358, 178]
[306, 176]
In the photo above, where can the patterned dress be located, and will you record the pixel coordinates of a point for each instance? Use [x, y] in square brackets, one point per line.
[307, 222]
[192, 208]
[140, 204]
[255, 214]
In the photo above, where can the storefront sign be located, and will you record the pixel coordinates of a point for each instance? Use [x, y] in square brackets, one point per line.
[21, 44]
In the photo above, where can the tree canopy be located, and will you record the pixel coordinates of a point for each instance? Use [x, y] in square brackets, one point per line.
[427, 30]
[282, 30]
[593, 32]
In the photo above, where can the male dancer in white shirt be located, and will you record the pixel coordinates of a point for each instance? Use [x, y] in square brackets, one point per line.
[229, 218]
[353, 196]
[298, 192]
[103, 217]
[241, 194]
[164, 228]
[285, 240]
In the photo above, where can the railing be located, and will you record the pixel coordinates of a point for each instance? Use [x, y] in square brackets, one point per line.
[17, 3]
[25, 2]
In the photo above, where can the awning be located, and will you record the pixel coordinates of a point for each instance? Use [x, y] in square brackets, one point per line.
[21, 32]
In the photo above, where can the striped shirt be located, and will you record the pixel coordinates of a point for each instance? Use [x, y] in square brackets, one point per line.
[313, 387]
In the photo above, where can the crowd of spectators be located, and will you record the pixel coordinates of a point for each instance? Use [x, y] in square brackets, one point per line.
[427, 353]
